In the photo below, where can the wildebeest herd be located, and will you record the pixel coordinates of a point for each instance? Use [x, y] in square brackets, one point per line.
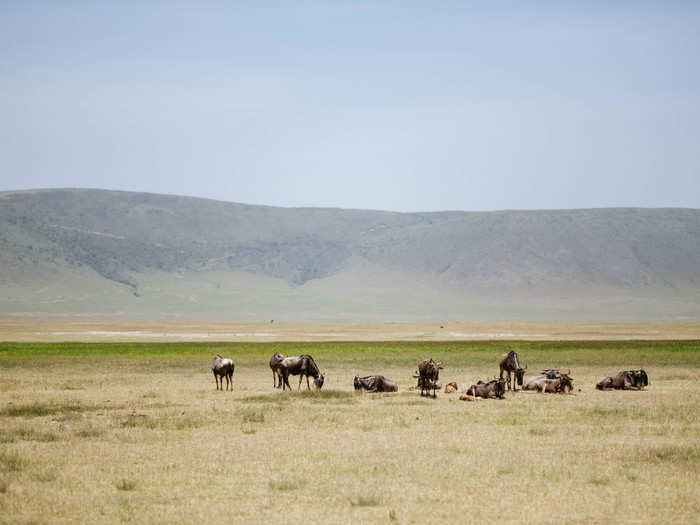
[550, 380]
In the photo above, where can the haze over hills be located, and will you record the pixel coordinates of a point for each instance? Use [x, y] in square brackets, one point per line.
[110, 253]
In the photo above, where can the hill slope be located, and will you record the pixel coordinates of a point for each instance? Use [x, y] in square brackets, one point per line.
[96, 251]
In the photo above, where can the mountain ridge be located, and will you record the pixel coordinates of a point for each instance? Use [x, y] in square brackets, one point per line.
[128, 237]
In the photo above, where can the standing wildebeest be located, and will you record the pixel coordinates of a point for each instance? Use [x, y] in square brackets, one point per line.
[303, 365]
[375, 384]
[625, 380]
[223, 367]
[275, 361]
[494, 388]
[428, 372]
[509, 363]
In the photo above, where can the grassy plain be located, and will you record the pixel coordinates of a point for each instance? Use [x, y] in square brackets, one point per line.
[136, 432]
[86, 330]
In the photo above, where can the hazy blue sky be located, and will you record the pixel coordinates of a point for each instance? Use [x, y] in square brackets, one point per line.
[388, 105]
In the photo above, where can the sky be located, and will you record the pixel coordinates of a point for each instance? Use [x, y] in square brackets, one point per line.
[391, 105]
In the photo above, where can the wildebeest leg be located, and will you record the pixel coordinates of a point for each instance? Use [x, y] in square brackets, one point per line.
[215, 379]
[301, 376]
[307, 383]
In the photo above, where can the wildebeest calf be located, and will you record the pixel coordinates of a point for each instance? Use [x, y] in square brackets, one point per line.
[275, 361]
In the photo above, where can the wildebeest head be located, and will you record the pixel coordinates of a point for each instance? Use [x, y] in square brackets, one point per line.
[318, 381]
[641, 377]
[566, 382]
[519, 374]
[357, 383]
[500, 387]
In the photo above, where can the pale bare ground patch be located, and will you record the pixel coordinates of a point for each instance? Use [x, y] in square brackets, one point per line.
[143, 443]
[31, 330]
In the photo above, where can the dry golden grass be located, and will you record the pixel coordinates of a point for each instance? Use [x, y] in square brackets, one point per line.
[142, 438]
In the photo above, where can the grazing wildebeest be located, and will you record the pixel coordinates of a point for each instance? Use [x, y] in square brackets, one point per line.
[625, 380]
[223, 367]
[303, 365]
[496, 388]
[509, 363]
[275, 360]
[375, 384]
[428, 372]
[563, 383]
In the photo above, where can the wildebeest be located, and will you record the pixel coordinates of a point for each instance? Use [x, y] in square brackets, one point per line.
[509, 363]
[625, 380]
[375, 384]
[428, 372]
[496, 388]
[550, 373]
[275, 361]
[223, 367]
[562, 383]
[303, 365]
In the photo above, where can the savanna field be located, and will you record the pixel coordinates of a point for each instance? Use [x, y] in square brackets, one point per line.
[137, 432]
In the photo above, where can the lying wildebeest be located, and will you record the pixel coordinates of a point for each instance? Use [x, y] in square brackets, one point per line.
[549, 373]
[509, 363]
[223, 367]
[625, 380]
[428, 372]
[496, 388]
[275, 361]
[375, 384]
[563, 383]
[303, 365]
